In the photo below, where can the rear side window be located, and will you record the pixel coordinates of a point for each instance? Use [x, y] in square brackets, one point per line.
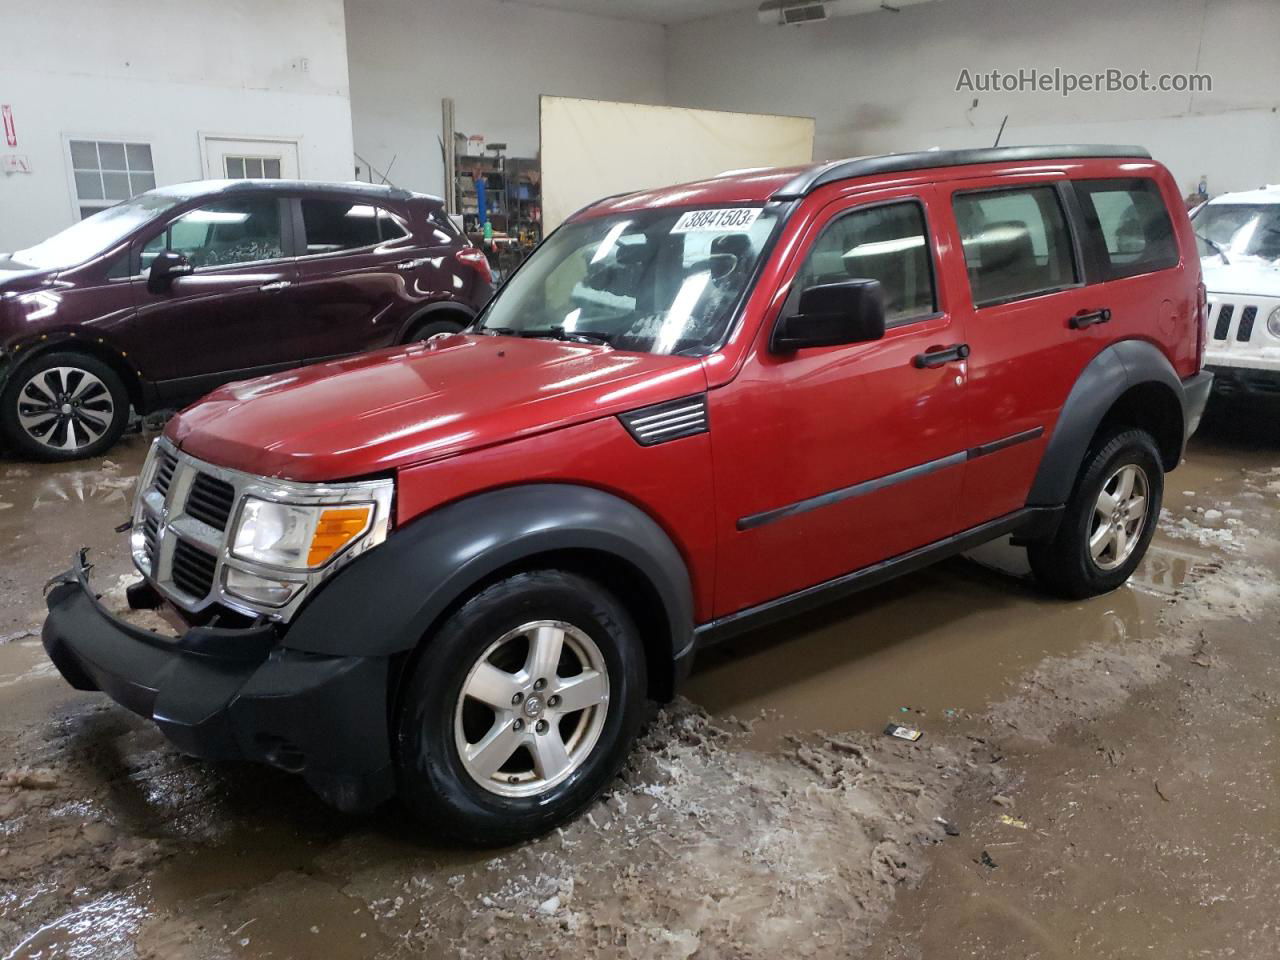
[887, 243]
[1016, 243]
[1128, 225]
[339, 224]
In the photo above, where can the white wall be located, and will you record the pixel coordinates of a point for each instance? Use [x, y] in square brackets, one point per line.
[162, 73]
[494, 59]
[886, 81]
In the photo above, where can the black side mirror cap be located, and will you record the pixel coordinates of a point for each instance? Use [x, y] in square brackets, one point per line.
[831, 314]
[167, 266]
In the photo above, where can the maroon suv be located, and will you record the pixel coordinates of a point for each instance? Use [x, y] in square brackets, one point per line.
[157, 300]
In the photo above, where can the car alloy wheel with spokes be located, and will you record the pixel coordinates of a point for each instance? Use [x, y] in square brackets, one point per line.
[519, 708]
[65, 408]
[1119, 516]
[532, 708]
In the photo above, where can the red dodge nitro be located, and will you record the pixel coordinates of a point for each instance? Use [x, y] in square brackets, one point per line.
[455, 571]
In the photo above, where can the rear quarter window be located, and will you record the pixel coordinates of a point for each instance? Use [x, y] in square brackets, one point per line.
[1128, 226]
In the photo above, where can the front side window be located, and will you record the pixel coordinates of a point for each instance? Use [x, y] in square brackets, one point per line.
[223, 233]
[108, 171]
[887, 243]
[1016, 244]
[346, 225]
[653, 281]
[1129, 224]
[1243, 231]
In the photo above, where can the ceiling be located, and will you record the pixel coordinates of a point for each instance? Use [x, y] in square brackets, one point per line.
[649, 11]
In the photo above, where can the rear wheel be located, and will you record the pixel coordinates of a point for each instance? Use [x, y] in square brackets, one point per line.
[1109, 520]
[521, 708]
[63, 406]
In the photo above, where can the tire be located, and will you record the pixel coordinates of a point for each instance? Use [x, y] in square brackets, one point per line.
[490, 646]
[86, 402]
[1088, 556]
[432, 328]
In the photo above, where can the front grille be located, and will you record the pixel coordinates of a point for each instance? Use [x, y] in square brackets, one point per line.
[1224, 321]
[166, 463]
[667, 421]
[193, 569]
[1246, 324]
[211, 500]
[151, 537]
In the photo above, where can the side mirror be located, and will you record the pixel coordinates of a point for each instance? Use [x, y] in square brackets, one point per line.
[165, 268]
[831, 314]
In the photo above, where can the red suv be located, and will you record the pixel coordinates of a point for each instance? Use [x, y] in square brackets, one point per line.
[455, 571]
[159, 299]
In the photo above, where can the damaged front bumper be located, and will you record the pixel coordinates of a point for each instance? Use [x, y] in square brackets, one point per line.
[226, 694]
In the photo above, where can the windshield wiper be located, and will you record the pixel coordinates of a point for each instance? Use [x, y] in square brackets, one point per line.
[573, 336]
[1218, 248]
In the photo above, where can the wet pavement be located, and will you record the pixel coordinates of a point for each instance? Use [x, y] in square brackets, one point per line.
[765, 813]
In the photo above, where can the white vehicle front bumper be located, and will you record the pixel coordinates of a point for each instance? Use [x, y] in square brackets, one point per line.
[1240, 343]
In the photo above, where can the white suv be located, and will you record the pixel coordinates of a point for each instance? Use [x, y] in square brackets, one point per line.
[1240, 248]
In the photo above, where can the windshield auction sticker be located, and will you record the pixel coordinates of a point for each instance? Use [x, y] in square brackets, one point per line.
[728, 220]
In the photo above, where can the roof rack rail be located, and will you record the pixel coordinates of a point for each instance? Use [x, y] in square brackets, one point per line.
[818, 176]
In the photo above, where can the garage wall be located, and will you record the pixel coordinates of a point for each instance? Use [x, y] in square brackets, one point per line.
[161, 73]
[494, 59]
[886, 81]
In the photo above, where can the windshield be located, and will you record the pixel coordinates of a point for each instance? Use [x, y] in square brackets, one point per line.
[95, 234]
[655, 281]
[1239, 230]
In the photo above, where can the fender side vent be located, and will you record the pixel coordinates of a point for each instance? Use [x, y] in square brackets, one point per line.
[667, 421]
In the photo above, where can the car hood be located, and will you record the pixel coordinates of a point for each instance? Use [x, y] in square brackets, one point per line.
[376, 412]
[1251, 278]
[18, 277]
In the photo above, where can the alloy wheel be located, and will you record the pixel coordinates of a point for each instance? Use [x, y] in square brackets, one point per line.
[65, 408]
[532, 708]
[1119, 516]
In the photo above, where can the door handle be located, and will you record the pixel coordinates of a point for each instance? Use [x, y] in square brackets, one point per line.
[275, 287]
[411, 264]
[1087, 318]
[941, 355]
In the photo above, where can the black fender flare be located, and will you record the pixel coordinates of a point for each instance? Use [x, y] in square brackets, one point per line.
[1106, 378]
[385, 602]
[437, 306]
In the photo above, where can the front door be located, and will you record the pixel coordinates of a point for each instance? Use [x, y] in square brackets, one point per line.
[230, 158]
[234, 315]
[831, 459]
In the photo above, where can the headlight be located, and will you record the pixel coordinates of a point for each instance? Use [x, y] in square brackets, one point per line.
[298, 537]
[289, 537]
[1273, 323]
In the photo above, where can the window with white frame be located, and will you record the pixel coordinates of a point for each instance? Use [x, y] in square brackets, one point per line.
[253, 168]
[108, 171]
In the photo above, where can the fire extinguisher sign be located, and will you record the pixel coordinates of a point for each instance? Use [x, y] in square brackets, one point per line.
[10, 133]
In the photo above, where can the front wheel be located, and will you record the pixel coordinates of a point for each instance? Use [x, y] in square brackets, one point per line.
[1109, 520]
[521, 708]
[63, 406]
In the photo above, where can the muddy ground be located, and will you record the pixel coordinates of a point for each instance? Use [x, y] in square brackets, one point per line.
[1094, 779]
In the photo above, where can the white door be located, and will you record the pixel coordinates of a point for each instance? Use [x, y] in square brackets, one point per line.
[236, 159]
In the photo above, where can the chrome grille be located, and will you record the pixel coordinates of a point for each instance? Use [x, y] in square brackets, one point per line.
[210, 500]
[166, 463]
[667, 421]
[182, 529]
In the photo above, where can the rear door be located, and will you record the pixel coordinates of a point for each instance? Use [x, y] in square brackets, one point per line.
[830, 459]
[232, 316]
[358, 273]
[1016, 265]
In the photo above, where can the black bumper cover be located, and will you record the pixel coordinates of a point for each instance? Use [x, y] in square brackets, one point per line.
[1195, 395]
[226, 694]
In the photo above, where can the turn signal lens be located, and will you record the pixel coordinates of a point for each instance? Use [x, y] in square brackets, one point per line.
[335, 528]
